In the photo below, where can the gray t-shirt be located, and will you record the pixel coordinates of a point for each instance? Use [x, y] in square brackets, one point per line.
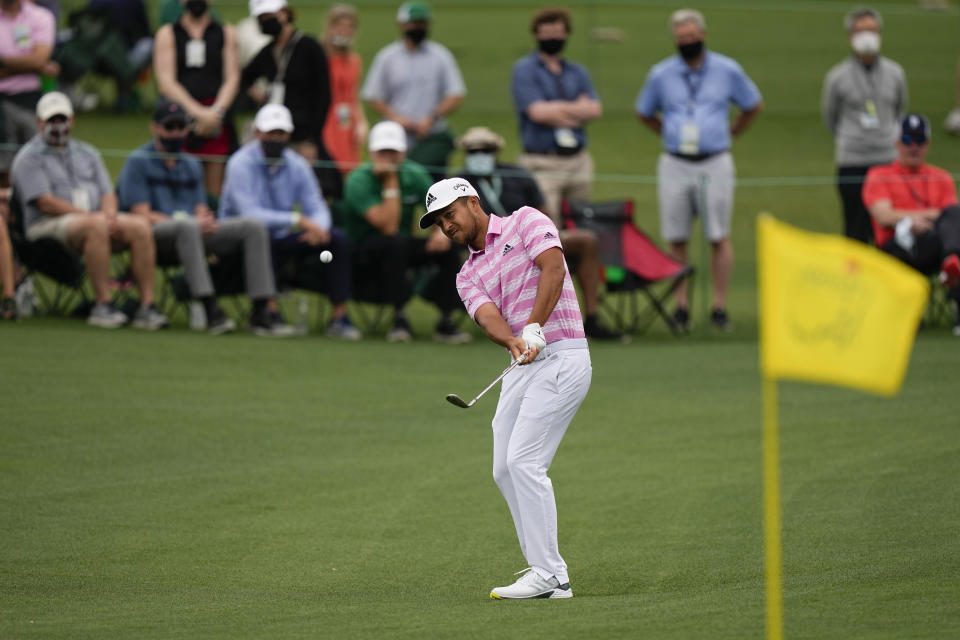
[862, 107]
[414, 82]
[74, 173]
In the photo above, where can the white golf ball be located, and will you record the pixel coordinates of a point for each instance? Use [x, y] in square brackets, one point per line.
[326, 257]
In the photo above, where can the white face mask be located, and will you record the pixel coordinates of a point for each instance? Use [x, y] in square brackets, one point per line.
[480, 164]
[866, 43]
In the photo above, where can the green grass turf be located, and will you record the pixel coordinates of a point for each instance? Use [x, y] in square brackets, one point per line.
[174, 485]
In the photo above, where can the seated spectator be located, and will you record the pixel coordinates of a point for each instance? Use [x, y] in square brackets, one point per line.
[66, 195]
[8, 307]
[914, 208]
[267, 181]
[165, 186]
[504, 188]
[380, 197]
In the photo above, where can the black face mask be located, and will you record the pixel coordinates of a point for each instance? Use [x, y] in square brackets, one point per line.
[416, 35]
[273, 149]
[551, 46]
[196, 7]
[690, 51]
[271, 27]
[173, 145]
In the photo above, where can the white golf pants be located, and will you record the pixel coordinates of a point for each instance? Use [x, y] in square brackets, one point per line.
[537, 403]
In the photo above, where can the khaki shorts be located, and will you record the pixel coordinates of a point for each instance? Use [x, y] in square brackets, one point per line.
[686, 188]
[53, 227]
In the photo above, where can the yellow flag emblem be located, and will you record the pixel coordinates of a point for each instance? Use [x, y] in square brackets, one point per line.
[833, 310]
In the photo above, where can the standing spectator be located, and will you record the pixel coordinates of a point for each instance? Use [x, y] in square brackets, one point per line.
[554, 99]
[417, 83]
[952, 123]
[346, 128]
[863, 99]
[195, 60]
[914, 209]
[165, 186]
[380, 197]
[66, 194]
[504, 188]
[26, 41]
[8, 306]
[269, 182]
[685, 100]
[296, 67]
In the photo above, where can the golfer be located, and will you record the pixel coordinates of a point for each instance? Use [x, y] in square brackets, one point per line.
[517, 287]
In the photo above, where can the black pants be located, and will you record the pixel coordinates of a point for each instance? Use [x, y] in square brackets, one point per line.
[297, 264]
[856, 218]
[932, 247]
[381, 266]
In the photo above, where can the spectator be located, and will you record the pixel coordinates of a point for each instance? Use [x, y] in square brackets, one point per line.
[26, 41]
[66, 195]
[685, 100]
[165, 186]
[8, 307]
[379, 198]
[504, 188]
[914, 208]
[554, 99]
[952, 123]
[296, 67]
[266, 181]
[196, 65]
[346, 128]
[417, 83]
[863, 99]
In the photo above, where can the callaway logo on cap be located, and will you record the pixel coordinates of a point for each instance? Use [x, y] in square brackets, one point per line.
[441, 194]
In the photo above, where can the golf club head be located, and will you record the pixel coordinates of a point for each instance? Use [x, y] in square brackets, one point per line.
[456, 400]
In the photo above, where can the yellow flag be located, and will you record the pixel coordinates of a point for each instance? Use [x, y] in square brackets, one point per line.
[833, 310]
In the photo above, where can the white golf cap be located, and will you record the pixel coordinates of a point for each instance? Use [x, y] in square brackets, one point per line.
[441, 194]
[54, 104]
[388, 136]
[273, 117]
[260, 7]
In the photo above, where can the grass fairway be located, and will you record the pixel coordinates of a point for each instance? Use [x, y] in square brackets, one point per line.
[183, 486]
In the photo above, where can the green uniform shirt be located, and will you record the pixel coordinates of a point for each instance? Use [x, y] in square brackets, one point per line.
[363, 190]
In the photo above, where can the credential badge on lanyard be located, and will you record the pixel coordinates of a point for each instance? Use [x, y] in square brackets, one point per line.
[196, 54]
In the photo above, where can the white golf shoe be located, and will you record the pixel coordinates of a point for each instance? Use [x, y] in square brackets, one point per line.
[531, 585]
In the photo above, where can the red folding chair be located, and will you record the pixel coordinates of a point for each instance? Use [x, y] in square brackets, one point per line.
[633, 265]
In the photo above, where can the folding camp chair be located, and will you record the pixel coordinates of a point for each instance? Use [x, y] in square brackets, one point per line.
[49, 258]
[634, 265]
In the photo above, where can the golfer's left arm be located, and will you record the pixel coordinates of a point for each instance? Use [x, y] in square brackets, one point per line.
[497, 329]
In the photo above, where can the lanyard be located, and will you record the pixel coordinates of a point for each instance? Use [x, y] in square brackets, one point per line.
[925, 201]
[284, 57]
[693, 87]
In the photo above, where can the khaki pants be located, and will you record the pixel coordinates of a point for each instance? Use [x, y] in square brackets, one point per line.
[560, 177]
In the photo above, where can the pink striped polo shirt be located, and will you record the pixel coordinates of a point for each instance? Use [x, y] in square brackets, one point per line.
[505, 274]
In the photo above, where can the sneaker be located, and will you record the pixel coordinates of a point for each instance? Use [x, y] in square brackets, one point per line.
[597, 331]
[950, 271]
[448, 332]
[271, 325]
[720, 320]
[150, 318]
[107, 316]
[8, 309]
[531, 585]
[343, 329]
[952, 123]
[400, 331]
[681, 319]
[219, 323]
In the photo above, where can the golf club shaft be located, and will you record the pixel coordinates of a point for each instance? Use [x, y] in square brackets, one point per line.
[499, 378]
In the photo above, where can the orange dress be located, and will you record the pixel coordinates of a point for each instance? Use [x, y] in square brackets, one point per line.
[339, 131]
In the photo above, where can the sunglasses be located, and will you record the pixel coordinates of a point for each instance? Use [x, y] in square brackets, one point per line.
[912, 140]
[174, 125]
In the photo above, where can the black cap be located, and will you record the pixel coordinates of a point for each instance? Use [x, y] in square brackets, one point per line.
[914, 128]
[167, 110]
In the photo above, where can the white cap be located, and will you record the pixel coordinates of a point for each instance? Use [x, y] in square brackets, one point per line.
[441, 194]
[54, 104]
[388, 136]
[260, 7]
[273, 117]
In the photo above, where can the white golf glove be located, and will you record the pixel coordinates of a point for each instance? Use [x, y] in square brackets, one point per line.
[533, 336]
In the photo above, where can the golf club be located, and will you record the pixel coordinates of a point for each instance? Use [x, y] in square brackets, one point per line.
[454, 399]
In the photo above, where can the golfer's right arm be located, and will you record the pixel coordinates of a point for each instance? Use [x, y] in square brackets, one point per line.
[497, 329]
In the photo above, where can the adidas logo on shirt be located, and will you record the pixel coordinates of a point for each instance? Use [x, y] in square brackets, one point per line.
[507, 249]
[548, 235]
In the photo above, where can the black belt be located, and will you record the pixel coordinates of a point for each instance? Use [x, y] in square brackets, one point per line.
[695, 157]
[555, 152]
